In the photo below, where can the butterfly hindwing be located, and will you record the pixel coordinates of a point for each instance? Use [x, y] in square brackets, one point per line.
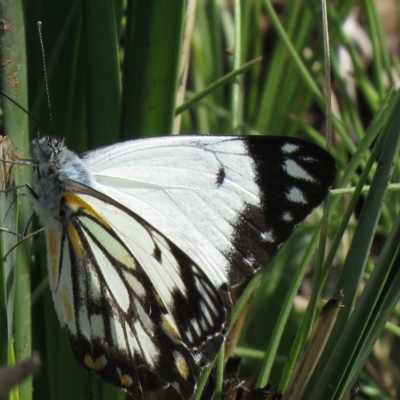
[137, 310]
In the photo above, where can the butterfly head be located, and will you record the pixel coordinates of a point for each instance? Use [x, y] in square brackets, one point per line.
[53, 158]
[56, 168]
[47, 149]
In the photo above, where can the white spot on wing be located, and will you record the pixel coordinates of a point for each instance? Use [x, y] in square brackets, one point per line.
[196, 326]
[117, 334]
[204, 294]
[296, 171]
[114, 281]
[97, 324]
[111, 245]
[287, 216]
[94, 283]
[84, 324]
[197, 358]
[295, 195]
[135, 284]
[132, 342]
[268, 236]
[144, 317]
[309, 159]
[288, 148]
[171, 277]
[206, 313]
[189, 335]
[169, 327]
[148, 349]
[203, 324]
[249, 261]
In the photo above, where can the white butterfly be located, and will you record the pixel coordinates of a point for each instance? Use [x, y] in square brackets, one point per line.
[145, 237]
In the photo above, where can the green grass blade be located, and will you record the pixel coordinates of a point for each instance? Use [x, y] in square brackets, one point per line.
[103, 85]
[14, 83]
[151, 67]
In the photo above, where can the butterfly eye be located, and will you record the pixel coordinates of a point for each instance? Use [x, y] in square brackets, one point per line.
[48, 154]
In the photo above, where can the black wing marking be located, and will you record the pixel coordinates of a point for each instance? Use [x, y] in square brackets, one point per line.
[294, 176]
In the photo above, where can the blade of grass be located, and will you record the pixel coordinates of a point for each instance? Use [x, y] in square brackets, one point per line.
[313, 348]
[235, 94]
[103, 85]
[14, 83]
[216, 85]
[152, 50]
[184, 63]
[381, 58]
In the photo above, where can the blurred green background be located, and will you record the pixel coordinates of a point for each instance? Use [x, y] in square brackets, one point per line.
[128, 69]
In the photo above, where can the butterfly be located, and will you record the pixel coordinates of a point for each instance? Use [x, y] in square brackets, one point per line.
[145, 238]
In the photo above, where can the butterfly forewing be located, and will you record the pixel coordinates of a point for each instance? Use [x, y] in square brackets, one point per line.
[239, 197]
[141, 328]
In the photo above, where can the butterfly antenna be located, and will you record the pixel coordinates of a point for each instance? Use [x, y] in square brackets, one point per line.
[24, 110]
[46, 81]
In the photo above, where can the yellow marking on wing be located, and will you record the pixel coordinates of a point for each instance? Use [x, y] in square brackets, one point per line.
[126, 380]
[182, 366]
[76, 202]
[96, 365]
[157, 297]
[66, 304]
[75, 241]
[129, 261]
[52, 251]
[170, 328]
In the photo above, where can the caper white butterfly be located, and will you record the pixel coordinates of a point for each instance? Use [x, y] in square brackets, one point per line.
[145, 237]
